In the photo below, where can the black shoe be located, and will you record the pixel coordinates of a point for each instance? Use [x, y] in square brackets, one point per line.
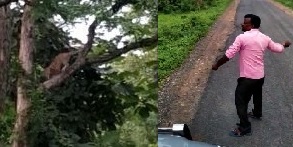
[239, 132]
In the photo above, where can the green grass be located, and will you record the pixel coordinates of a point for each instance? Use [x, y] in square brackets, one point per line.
[178, 34]
[288, 3]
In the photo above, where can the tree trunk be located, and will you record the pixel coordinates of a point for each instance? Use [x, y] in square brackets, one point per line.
[4, 53]
[25, 59]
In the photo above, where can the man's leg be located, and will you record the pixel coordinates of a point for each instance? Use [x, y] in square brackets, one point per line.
[243, 95]
[257, 98]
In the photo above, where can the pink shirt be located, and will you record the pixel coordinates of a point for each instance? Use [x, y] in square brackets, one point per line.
[251, 46]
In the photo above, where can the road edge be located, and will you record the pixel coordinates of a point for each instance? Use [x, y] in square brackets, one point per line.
[181, 92]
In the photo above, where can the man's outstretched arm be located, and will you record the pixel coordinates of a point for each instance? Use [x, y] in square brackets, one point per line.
[278, 47]
[220, 62]
[230, 53]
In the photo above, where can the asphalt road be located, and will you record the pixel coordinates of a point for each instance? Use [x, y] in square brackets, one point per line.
[216, 115]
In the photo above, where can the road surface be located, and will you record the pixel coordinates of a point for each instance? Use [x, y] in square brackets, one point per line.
[216, 114]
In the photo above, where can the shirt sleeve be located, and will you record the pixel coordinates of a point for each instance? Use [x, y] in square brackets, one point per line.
[234, 48]
[275, 47]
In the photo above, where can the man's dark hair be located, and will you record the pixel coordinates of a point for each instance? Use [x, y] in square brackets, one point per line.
[255, 20]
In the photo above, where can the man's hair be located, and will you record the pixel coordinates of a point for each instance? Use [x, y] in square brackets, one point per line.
[255, 20]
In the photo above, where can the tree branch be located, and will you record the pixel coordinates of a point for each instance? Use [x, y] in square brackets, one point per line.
[27, 2]
[81, 58]
[120, 3]
[6, 2]
[118, 52]
[80, 61]
[91, 36]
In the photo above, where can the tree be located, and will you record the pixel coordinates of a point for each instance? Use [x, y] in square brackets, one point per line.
[5, 39]
[26, 62]
[105, 13]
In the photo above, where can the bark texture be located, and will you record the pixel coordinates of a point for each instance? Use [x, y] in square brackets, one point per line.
[25, 59]
[5, 33]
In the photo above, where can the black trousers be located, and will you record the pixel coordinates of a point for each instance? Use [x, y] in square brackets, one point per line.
[245, 89]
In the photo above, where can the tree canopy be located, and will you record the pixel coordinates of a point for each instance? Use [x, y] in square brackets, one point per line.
[106, 92]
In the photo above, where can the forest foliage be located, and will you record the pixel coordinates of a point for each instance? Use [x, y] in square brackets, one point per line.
[110, 100]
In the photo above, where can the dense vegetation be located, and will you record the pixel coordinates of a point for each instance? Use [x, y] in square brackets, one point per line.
[168, 6]
[179, 31]
[286, 3]
[110, 100]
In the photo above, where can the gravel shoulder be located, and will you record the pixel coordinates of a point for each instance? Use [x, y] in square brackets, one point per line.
[180, 94]
[182, 91]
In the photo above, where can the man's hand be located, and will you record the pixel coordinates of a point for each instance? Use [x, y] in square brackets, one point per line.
[286, 43]
[220, 62]
[215, 67]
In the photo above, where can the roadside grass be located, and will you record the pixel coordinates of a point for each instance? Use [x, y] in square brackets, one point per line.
[288, 3]
[178, 34]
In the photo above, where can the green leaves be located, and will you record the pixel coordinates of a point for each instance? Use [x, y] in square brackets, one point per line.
[68, 9]
[74, 110]
[169, 6]
[123, 89]
[286, 3]
[93, 102]
[6, 124]
[179, 32]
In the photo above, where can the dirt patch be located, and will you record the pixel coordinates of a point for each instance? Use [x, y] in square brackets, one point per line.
[180, 95]
[282, 7]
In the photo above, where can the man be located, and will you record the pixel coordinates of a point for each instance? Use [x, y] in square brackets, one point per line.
[251, 46]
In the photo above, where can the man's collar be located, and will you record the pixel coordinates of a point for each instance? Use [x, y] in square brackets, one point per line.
[254, 30]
